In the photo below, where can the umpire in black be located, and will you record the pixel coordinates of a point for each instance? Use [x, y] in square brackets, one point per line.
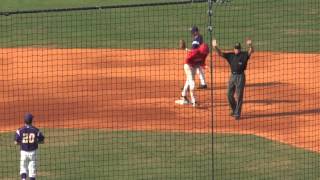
[238, 61]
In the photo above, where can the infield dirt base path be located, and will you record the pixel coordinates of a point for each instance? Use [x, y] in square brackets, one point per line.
[121, 89]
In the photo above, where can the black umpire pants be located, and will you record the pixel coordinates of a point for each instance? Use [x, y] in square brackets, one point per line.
[236, 85]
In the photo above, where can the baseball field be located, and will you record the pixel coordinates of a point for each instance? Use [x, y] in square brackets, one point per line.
[102, 86]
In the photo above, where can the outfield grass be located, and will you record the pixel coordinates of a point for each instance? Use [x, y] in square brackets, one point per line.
[94, 154]
[13, 5]
[141, 27]
[275, 25]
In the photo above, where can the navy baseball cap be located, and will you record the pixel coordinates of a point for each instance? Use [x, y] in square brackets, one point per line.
[237, 46]
[194, 29]
[28, 118]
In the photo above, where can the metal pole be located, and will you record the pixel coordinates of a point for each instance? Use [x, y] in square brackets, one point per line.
[210, 30]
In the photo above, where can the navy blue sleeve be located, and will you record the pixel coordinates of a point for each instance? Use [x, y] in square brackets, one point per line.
[40, 137]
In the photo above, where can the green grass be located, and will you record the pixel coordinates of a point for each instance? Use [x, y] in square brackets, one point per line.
[274, 25]
[94, 154]
[13, 5]
[143, 27]
[277, 25]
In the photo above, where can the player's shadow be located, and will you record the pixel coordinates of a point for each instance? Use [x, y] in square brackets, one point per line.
[280, 114]
[270, 101]
[264, 84]
[221, 86]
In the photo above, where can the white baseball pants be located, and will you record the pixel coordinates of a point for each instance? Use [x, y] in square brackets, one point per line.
[28, 162]
[190, 84]
[202, 77]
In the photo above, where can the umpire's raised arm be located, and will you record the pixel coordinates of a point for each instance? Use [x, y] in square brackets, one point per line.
[215, 46]
[250, 47]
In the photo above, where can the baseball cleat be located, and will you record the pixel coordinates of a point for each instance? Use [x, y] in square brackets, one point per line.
[182, 101]
[195, 104]
[203, 87]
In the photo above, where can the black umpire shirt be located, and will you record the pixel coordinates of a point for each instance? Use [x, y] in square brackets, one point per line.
[238, 63]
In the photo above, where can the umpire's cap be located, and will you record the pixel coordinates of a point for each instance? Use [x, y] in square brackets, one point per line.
[237, 46]
[194, 29]
[28, 118]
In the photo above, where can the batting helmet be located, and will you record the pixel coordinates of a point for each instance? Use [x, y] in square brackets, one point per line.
[28, 118]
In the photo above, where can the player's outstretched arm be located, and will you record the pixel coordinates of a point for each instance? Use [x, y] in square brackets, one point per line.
[215, 46]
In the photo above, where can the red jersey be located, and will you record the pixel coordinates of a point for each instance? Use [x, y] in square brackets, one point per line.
[197, 56]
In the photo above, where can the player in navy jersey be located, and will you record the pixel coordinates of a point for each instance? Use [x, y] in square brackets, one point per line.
[196, 43]
[28, 137]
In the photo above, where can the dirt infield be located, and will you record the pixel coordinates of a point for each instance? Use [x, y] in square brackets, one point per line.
[136, 89]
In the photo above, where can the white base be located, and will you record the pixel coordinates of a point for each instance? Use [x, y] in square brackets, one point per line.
[181, 102]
